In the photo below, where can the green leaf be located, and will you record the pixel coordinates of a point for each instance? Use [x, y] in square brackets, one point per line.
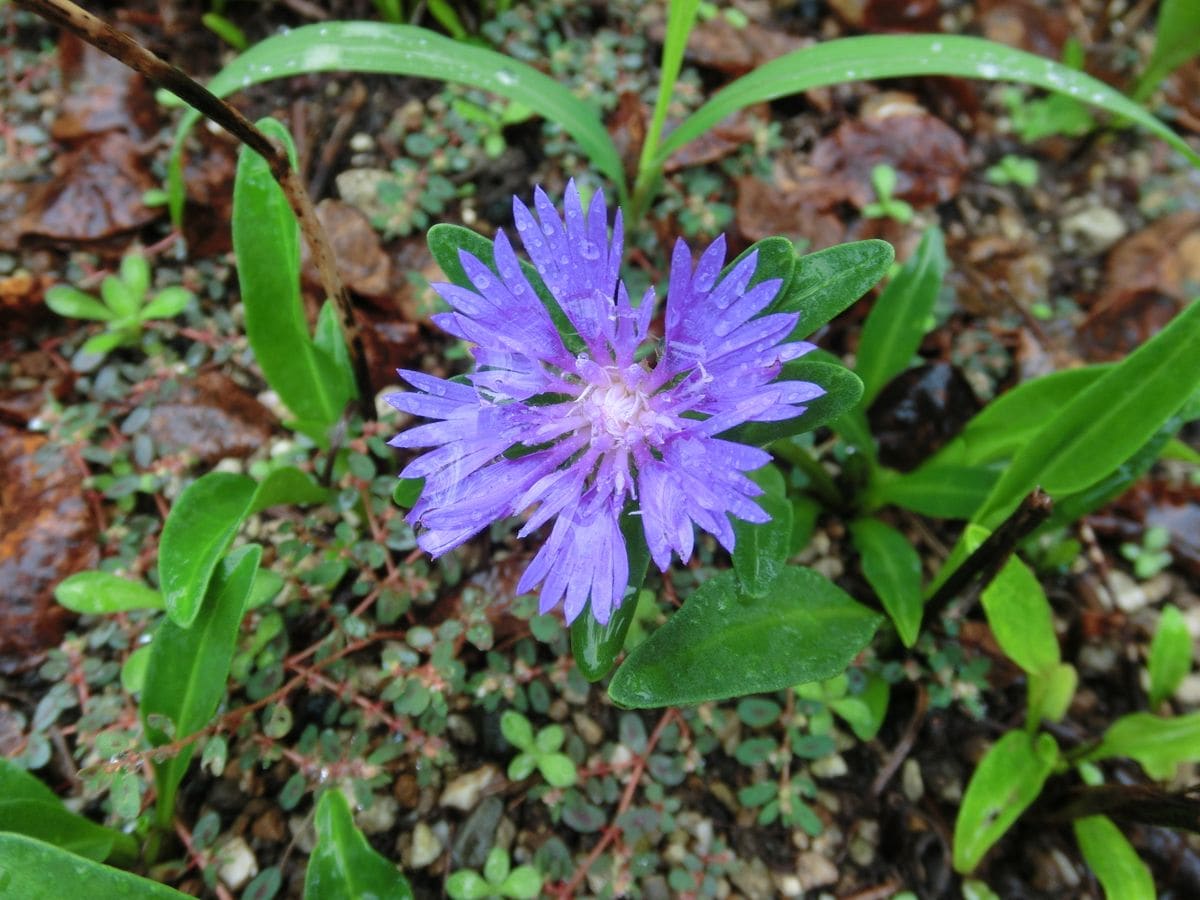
[30, 808]
[343, 866]
[117, 296]
[96, 593]
[944, 491]
[901, 56]
[466, 885]
[1009, 778]
[287, 485]
[558, 769]
[135, 272]
[167, 304]
[75, 304]
[824, 283]
[521, 766]
[522, 883]
[1159, 744]
[843, 390]
[595, 646]
[516, 730]
[34, 870]
[1107, 422]
[133, 671]
[1050, 693]
[1117, 866]
[188, 668]
[495, 867]
[901, 316]
[1176, 40]
[100, 344]
[330, 342]
[1170, 655]
[866, 711]
[404, 50]
[893, 569]
[761, 550]
[198, 530]
[722, 644]
[266, 242]
[1021, 619]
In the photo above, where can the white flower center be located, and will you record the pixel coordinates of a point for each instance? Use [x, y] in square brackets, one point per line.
[617, 408]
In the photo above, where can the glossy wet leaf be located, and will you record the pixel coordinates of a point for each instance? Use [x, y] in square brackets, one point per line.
[1021, 619]
[1009, 778]
[1113, 860]
[96, 593]
[901, 316]
[893, 569]
[723, 644]
[200, 527]
[1107, 422]
[763, 548]
[405, 50]
[188, 668]
[843, 390]
[900, 56]
[828, 281]
[34, 870]
[266, 242]
[343, 866]
[943, 491]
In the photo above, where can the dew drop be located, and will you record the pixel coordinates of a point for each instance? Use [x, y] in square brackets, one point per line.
[589, 250]
[722, 327]
[483, 282]
[547, 229]
[704, 281]
[988, 70]
[506, 78]
[563, 260]
[518, 288]
[936, 47]
[522, 225]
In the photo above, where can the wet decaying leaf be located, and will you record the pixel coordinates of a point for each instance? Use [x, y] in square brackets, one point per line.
[735, 50]
[95, 193]
[919, 411]
[794, 211]
[1033, 27]
[211, 418]
[728, 136]
[103, 95]
[208, 172]
[364, 267]
[32, 377]
[888, 15]
[1182, 90]
[995, 272]
[930, 157]
[627, 128]
[48, 534]
[1151, 504]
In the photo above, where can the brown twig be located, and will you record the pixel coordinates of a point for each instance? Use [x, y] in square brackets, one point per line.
[122, 47]
[904, 745]
[990, 556]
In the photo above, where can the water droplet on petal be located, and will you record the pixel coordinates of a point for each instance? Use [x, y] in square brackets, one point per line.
[482, 282]
[589, 250]
[547, 229]
[704, 281]
[722, 327]
[563, 260]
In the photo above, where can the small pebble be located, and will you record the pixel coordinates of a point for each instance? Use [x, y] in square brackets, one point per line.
[362, 143]
[379, 817]
[426, 847]
[911, 781]
[236, 863]
[464, 791]
[1092, 230]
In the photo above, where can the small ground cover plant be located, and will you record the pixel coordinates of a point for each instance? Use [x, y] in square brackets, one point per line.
[704, 424]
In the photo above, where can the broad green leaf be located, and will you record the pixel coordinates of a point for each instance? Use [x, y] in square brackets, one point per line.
[133, 670]
[944, 491]
[287, 485]
[522, 883]
[723, 644]
[1176, 40]
[1170, 655]
[96, 593]
[893, 569]
[18, 784]
[558, 770]
[55, 824]
[33, 870]
[826, 282]
[776, 258]
[1009, 778]
[266, 242]
[866, 711]
[1117, 866]
[198, 530]
[843, 390]
[404, 50]
[116, 294]
[1050, 693]
[1158, 743]
[1021, 619]
[467, 885]
[330, 342]
[496, 866]
[901, 56]
[594, 646]
[762, 549]
[100, 344]
[343, 866]
[188, 668]
[266, 588]
[1012, 419]
[901, 316]
[75, 304]
[516, 730]
[1107, 422]
[135, 272]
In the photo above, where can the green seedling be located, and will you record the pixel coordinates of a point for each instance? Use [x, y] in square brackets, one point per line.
[492, 121]
[540, 752]
[1151, 556]
[123, 305]
[497, 880]
[1057, 114]
[883, 178]
[1013, 169]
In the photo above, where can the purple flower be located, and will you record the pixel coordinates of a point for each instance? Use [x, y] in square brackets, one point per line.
[579, 436]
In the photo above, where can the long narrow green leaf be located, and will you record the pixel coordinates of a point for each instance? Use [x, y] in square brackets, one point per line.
[1021, 619]
[1176, 40]
[1113, 859]
[900, 317]
[186, 674]
[1107, 422]
[266, 241]
[899, 56]
[1158, 743]
[892, 567]
[33, 870]
[943, 491]
[404, 50]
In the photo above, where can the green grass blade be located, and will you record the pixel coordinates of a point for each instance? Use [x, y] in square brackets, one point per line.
[404, 50]
[897, 56]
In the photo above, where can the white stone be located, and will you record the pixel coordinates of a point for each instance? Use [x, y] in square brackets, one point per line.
[236, 863]
[464, 791]
[1093, 229]
[426, 847]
